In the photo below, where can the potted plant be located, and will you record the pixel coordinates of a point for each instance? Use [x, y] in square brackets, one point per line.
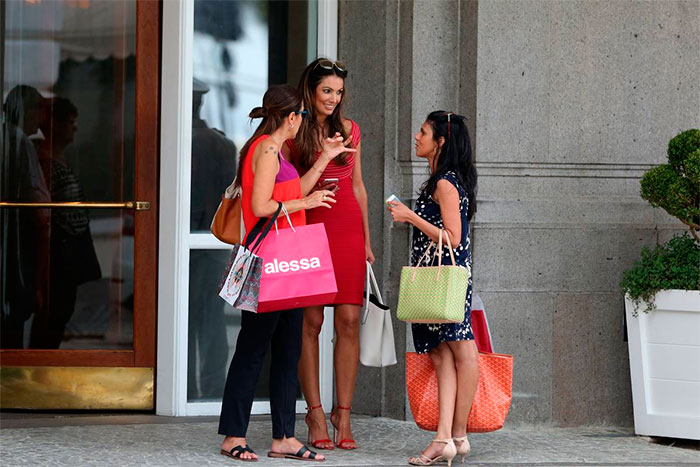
[662, 303]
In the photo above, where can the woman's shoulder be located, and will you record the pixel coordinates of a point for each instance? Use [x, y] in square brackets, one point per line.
[257, 143]
[352, 129]
[266, 146]
[264, 150]
[451, 177]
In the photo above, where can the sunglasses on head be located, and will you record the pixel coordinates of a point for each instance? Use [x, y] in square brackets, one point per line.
[303, 113]
[330, 64]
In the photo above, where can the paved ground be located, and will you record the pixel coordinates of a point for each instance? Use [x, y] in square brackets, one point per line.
[147, 440]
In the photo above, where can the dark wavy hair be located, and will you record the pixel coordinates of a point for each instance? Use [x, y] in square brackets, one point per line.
[63, 109]
[306, 143]
[455, 155]
[19, 101]
[278, 102]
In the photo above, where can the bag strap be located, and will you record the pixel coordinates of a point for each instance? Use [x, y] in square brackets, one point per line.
[286, 214]
[370, 283]
[375, 286]
[255, 231]
[425, 253]
[253, 235]
[448, 245]
[365, 312]
[438, 253]
[420, 260]
[233, 191]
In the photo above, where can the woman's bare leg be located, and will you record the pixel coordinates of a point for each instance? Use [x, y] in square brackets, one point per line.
[346, 357]
[309, 376]
[443, 360]
[466, 362]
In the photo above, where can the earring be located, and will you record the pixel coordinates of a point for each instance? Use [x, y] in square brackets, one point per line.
[291, 127]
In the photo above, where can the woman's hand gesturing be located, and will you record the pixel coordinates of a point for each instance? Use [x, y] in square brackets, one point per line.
[319, 198]
[334, 146]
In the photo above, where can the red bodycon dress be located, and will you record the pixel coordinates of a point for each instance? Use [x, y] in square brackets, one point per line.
[343, 223]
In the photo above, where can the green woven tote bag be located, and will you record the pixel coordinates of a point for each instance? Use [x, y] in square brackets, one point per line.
[433, 294]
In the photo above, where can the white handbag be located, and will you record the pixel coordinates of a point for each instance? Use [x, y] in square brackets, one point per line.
[376, 332]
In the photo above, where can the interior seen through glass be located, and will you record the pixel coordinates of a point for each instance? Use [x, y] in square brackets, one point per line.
[68, 91]
[240, 48]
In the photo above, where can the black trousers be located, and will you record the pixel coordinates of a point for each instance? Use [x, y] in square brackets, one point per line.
[49, 325]
[282, 331]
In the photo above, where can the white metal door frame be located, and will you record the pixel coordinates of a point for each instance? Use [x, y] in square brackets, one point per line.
[175, 240]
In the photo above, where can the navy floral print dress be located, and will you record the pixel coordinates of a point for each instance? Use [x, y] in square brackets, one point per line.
[428, 336]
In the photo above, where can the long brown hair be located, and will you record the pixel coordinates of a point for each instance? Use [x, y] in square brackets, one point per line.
[306, 143]
[278, 102]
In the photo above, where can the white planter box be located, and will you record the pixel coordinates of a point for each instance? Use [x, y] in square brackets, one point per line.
[664, 350]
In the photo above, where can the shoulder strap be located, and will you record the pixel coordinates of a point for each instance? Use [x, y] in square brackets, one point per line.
[258, 227]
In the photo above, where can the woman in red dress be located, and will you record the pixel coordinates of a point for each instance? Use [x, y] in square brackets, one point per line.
[323, 86]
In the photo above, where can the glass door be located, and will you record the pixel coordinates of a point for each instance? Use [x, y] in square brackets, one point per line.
[239, 49]
[78, 212]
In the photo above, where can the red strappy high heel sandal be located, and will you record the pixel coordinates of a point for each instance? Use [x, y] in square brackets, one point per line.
[348, 443]
[326, 443]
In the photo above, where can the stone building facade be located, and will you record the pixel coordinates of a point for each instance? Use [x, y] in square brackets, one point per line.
[568, 103]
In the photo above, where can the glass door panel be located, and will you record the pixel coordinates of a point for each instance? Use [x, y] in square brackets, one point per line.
[68, 137]
[240, 48]
[78, 212]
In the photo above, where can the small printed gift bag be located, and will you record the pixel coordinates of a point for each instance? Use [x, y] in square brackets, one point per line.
[241, 285]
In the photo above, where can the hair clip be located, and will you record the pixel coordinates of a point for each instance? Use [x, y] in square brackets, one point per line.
[449, 125]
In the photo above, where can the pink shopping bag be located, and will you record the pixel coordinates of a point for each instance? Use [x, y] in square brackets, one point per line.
[297, 269]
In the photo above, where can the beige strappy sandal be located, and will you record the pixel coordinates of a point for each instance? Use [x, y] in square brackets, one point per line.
[448, 453]
[464, 449]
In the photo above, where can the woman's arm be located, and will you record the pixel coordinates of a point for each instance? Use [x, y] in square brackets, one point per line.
[310, 178]
[447, 196]
[358, 188]
[265, 167]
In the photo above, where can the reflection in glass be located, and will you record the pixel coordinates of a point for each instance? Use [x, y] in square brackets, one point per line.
[213, 163]
[68, 136]
[232, 70]
[73, 260]
[213, 327]
[25, 232]
[213, 330]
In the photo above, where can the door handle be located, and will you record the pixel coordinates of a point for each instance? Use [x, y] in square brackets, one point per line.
[136, 205]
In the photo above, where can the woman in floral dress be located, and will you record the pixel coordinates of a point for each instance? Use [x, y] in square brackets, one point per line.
[447, 201]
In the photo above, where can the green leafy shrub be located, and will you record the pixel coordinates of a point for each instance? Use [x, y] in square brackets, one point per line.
[681, 146]
[692, 170]
[675, 265]
[675, 186]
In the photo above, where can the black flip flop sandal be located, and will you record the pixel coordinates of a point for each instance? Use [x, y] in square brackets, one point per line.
[298, 456]
[237, 451]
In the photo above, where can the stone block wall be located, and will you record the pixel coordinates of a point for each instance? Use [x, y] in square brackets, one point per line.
[568, 102]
